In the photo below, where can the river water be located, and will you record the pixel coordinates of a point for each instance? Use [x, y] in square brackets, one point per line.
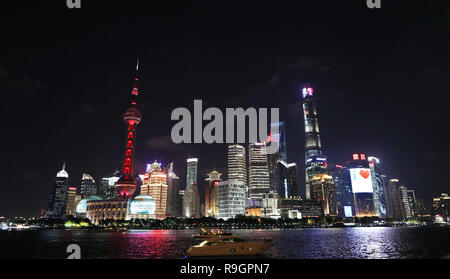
[321, 243]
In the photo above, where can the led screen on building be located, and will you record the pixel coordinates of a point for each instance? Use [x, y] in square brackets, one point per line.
[348, 211]
[361, 180]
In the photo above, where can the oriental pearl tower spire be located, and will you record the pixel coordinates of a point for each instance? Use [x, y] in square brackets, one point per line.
[126, 185]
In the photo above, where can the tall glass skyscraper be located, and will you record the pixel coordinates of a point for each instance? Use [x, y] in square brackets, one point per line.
[287, 185]
[231, 198]
[258, 174]
[173, 189]
[279, 139]
[58, 195]
[343, 189]
[237, 167]
[191, 198]
[191, 202]
[378, 183]
[212, 194]
[395, 208]
[191, 176]
[88, 187]
[315, 163]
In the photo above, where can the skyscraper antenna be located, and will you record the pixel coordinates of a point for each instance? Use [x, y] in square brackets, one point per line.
[137, 64]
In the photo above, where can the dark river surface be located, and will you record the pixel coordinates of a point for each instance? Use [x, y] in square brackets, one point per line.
[324, 243]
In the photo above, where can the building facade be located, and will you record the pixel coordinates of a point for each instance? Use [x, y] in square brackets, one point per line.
[259, 183]
[231, 199]
[191, 176]
[237, 166]
[278, 137]
[58, 195]
[173, 188]
[441, 208]
[315, 163]
[88, 186]
[191, 202]
[212, 194]
[378, 182]
[71, 195]
[362, 187]
[154, 185]
[394, 200]
[323, 192]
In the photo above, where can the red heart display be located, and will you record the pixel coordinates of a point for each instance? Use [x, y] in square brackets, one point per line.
[364, 173]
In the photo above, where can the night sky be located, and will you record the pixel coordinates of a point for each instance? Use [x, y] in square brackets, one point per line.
[381, 77]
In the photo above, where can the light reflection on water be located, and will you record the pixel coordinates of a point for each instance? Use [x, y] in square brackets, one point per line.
[361, 243]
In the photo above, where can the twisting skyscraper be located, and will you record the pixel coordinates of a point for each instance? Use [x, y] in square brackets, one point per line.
[126, 185]
[315, 163]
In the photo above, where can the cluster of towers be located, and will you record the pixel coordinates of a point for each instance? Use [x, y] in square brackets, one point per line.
[261, 184]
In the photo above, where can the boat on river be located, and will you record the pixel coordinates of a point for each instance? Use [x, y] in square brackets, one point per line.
[208, 234]
[228, 246]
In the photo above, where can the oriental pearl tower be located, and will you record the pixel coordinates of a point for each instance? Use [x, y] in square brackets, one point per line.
[126, 185]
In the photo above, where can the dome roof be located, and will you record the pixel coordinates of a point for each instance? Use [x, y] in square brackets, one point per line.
[81, 207]
[62, 173]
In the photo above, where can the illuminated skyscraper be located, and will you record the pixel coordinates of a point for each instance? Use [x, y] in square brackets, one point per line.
[441, 208]
[191, 176]
[378, 183]
[315, 163]
[343, 189]
[173, 189]
[58, 195]
[71, 195]
[191, 198]
[279, 139]
[237, 167]
[212, 194]
[231, 198]
[126, 186]
[191, 202]
[154, 185]
[259, 183]
[323, 192]
[287, 185]
[362, 187]
[395, 208]
[313, 147]
[88, 187]
[107, 187]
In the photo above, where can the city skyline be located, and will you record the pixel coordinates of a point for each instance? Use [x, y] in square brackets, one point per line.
[367, 103]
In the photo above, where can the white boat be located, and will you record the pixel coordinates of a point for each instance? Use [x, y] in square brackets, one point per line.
[228, 246]
[208, 234]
